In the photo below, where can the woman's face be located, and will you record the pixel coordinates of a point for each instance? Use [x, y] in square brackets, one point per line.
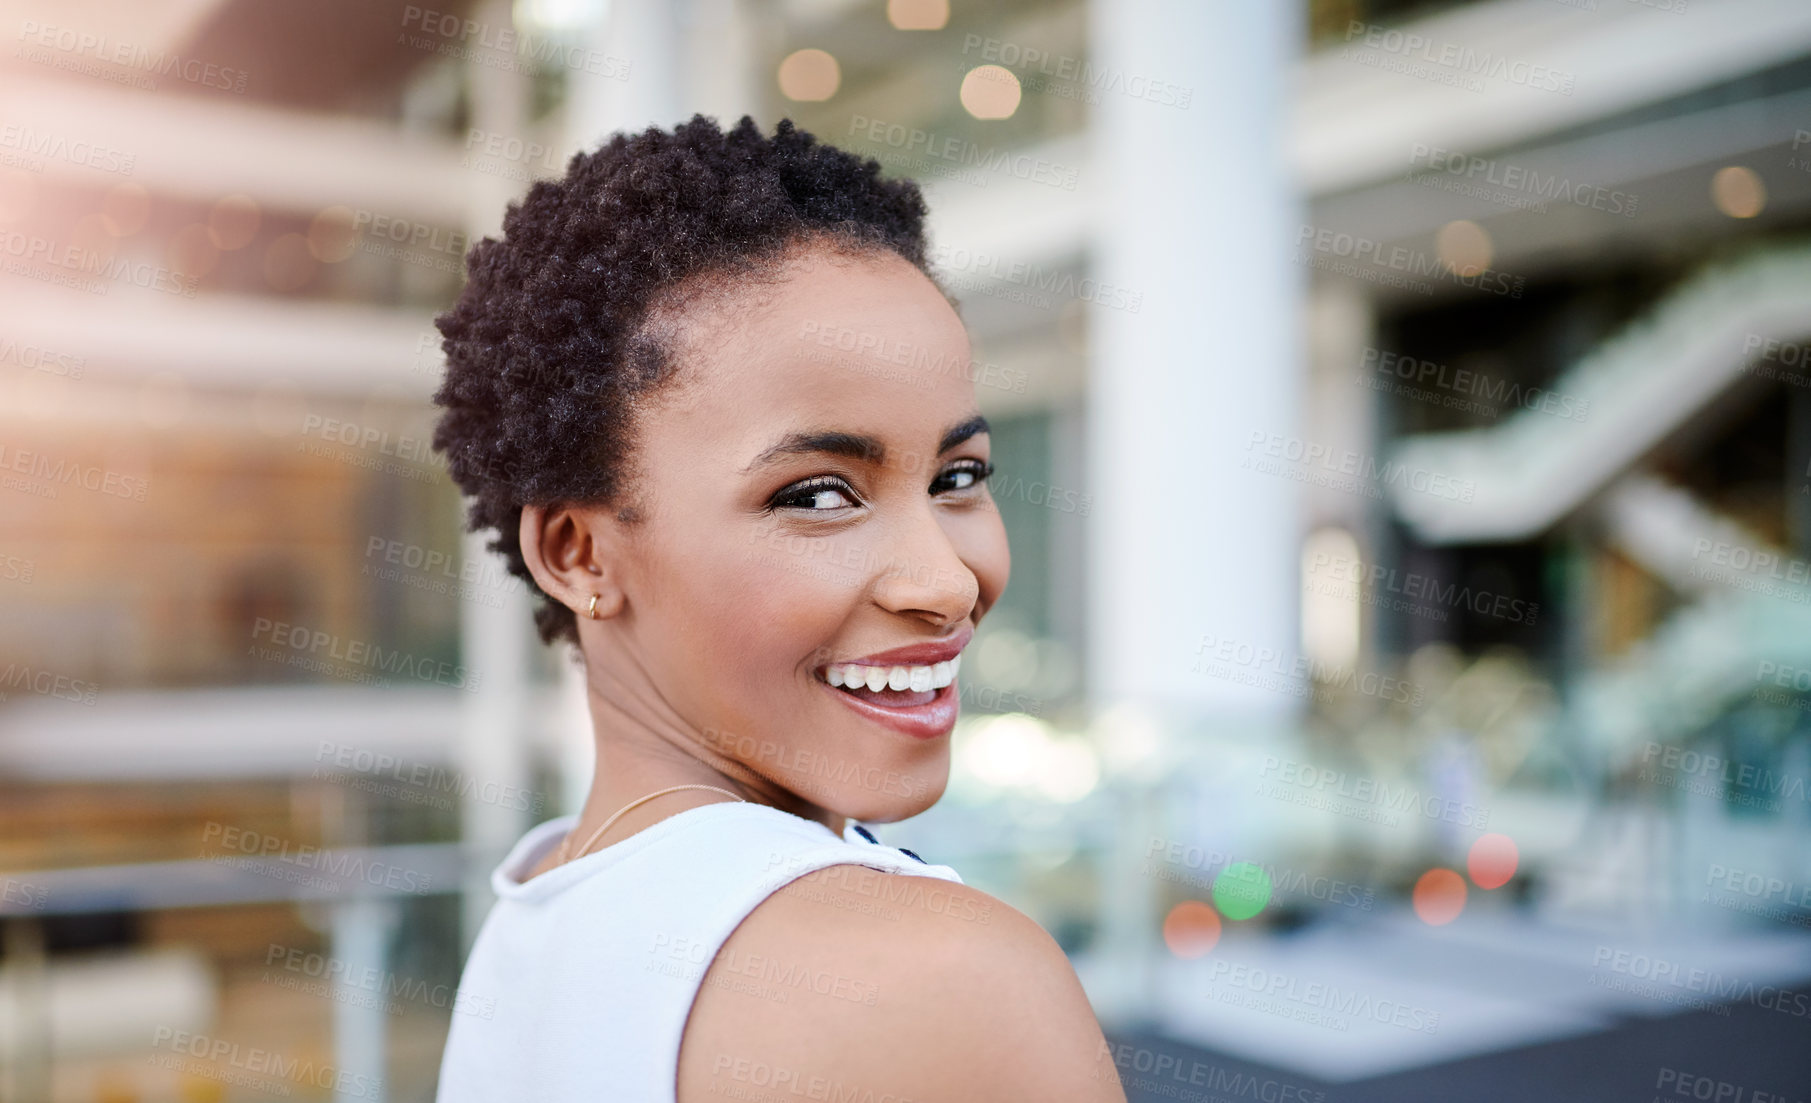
[813, 501]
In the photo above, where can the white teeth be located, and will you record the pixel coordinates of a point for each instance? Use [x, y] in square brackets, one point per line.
[876, 678]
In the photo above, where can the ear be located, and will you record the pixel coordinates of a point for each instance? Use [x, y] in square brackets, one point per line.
[571, 557]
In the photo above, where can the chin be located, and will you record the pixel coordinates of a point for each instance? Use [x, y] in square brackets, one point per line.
[917, 795]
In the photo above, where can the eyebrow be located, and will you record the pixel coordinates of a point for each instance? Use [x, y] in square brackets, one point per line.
[857, 445]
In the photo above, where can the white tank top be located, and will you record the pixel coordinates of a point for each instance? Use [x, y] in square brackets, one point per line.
[580, 981]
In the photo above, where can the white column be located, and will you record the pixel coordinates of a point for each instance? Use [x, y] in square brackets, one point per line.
[494, 642]
[645, 33]
[1197, 215]
[362, 927]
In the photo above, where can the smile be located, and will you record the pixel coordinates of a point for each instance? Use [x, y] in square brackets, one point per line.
[855, 676]
[913, 693]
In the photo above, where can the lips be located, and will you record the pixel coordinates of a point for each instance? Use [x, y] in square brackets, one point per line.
[919, 654]
[910, 689]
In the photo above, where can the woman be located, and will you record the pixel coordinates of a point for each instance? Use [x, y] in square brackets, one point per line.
[719, 414]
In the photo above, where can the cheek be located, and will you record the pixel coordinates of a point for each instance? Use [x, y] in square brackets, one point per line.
[984, 549]
[760, 609]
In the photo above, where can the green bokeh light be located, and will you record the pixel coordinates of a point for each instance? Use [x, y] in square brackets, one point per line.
[1241, 890]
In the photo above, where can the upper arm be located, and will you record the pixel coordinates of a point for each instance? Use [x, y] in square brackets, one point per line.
[852, 983]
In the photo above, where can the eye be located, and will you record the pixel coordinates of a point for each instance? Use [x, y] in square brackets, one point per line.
[962, 475]
[819, 495]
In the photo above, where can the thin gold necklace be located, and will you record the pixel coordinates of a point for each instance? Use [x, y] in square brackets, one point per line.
[599, 833]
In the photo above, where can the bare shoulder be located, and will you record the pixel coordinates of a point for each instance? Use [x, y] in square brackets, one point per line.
[851, 983]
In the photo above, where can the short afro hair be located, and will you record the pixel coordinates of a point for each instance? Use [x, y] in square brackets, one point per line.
[549, 350]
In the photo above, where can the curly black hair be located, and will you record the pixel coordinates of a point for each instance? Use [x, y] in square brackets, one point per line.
[551, 347]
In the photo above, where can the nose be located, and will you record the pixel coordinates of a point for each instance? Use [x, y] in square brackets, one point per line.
[924, 574]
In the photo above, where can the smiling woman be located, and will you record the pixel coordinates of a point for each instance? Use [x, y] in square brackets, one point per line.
[770, 551]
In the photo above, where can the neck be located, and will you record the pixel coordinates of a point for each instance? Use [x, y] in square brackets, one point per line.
[643, 746]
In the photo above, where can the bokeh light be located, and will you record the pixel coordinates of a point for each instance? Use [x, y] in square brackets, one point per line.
[1439, 897]
[990, 92]
[1191, 929]
[234, 221]
[333, 235]
[1492, 861]
[1738, 192]
[809, 76]
[1464, 247]
[192, 252]
[288, 263]
[918, 15]
[1242, 890]
[126, 207]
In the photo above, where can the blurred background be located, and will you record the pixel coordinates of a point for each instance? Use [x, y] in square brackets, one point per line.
[1403, 421]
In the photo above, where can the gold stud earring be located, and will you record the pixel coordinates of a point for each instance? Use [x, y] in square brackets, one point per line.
[591, 610]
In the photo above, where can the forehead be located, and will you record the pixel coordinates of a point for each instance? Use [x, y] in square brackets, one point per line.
[863, 344]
